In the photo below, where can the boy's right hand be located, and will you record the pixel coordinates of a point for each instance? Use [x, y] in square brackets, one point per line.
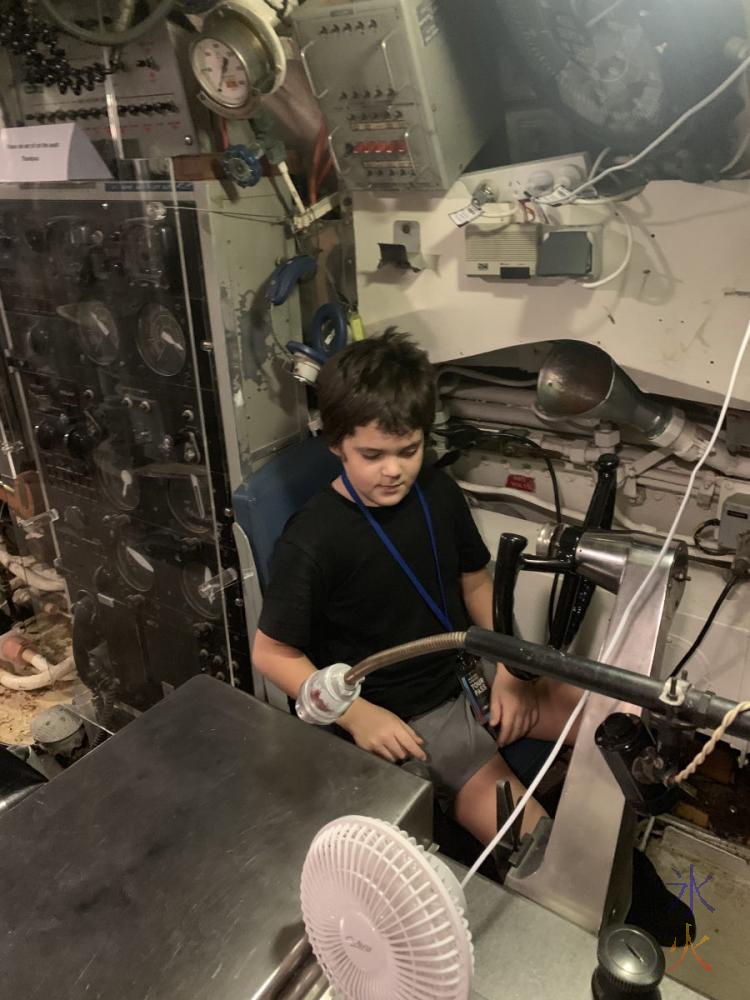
[381, 732]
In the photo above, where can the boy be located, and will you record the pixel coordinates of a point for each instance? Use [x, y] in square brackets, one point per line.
[338, 593]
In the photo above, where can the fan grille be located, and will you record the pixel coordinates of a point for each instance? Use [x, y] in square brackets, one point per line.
[384, 918]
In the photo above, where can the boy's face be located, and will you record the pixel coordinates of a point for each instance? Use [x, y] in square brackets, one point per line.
[381, 467]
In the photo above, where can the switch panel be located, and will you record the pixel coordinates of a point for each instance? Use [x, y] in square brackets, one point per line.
[400, 86]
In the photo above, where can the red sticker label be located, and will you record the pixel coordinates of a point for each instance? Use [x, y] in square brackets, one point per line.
[525, 483]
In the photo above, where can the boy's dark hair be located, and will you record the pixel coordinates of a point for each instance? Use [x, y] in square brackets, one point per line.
[385, 379]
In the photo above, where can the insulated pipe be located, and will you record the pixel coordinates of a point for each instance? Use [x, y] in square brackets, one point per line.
[45, 678]
[703, 709]
[495, 413]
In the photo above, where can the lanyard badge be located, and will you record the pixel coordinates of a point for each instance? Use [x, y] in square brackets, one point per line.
[469, 675]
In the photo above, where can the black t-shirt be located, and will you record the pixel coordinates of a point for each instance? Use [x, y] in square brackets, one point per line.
[338, 595]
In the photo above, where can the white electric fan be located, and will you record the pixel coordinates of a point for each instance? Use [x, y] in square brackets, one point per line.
[384, 918]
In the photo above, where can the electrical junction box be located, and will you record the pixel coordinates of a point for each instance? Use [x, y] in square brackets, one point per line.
[520, 251]
[735, 519]
[402, 85]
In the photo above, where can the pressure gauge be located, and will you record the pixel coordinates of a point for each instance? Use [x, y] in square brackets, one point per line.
[160, 340]
[98, 336]
[238, 57]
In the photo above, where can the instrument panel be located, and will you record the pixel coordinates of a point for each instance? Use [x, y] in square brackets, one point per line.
[109, 349]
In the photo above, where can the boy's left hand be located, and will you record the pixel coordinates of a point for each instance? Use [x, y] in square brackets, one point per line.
[514, 707]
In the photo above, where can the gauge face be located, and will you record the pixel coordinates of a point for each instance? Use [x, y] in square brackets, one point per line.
[194, 577]
[135, 566]
[98, 335]
[220, 72]
[116, 478]
[190, 503]
[36, 341]
[160, 340]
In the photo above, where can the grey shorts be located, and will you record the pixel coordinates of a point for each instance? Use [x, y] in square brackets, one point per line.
[456, 746]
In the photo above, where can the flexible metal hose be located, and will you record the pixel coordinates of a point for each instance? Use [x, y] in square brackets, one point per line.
[408, 651]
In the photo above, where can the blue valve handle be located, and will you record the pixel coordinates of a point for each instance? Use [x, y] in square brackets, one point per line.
[329, 321]
[286, 276]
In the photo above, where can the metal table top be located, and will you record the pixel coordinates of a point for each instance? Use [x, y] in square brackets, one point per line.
[166, 863]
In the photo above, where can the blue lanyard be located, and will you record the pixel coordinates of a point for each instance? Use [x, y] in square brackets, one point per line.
[440, 613]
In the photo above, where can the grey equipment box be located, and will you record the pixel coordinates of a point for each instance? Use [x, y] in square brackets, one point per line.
[403, 87]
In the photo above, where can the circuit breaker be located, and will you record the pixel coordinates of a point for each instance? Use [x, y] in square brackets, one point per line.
[403, 87]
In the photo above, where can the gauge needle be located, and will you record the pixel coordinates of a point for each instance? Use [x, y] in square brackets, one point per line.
[136, 556]
[224, 64]
[169, 339]
[101, 325]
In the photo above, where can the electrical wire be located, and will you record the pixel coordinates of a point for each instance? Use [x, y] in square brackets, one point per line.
[521, 804]
[625, 621]
[625, 261]
[719, 550]
[709, 748]
[686, 116]
[729, 586]
[599, 160]
[738, 155]
[642, 591]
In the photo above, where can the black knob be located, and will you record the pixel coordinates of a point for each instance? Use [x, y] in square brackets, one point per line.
[46, 434]
[631, 964]
[80, 441]
[202, 630]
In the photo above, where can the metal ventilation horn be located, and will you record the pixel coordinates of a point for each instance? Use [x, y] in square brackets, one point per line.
[580, 380]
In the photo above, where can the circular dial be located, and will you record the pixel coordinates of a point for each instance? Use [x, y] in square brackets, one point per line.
[160, 340]
[134, 565]
[220, 72]
[190, 503]
[37, 341]
[143, 248]
[116, 478]
[193, 578]
[98, 335]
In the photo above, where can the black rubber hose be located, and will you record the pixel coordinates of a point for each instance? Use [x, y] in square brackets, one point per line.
[728, 587]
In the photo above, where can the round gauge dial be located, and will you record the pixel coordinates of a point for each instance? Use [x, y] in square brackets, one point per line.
[220, 72]
[190, 503]
[160, 340]
[134, 565]
[117, 479]
[143, 247]
[98, 335]
[194, 577]
[37, 341]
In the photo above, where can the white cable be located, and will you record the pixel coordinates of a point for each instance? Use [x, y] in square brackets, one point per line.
[717, 92]
[529, 791]
[635, 599]
[599, 160]
[738, 155]
[626, 260]
[604, 13]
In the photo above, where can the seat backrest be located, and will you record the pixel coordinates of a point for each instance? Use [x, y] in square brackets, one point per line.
[267, 499]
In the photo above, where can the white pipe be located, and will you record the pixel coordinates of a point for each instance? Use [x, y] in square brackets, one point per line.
[290, 186]
[478, 375]
[492, 394]
[496, 413]
[34, 580]
[46, 678]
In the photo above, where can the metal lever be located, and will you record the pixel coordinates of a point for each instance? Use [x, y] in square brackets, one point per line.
[576, 593]
[508, 562]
